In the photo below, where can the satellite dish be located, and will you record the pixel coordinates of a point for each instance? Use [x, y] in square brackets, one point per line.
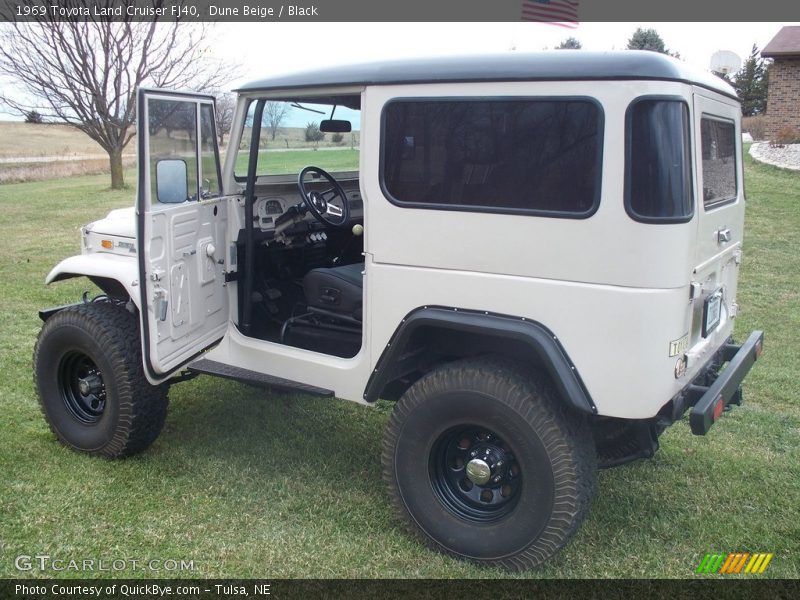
[725, 61]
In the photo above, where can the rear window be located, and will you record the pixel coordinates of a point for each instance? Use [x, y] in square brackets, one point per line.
[719, 160]
[516, 156]
[658, 175]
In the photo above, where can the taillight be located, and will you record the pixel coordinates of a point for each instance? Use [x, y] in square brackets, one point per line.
[719, 407]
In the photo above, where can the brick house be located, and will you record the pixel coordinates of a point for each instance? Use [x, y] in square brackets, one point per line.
[783, 100]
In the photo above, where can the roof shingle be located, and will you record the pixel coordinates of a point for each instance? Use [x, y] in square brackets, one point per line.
[785, 43]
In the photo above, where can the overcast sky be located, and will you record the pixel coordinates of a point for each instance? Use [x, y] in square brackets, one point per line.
[265, 49]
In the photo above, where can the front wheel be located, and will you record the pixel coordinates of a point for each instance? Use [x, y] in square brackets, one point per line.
[91, 384]
[484, 463]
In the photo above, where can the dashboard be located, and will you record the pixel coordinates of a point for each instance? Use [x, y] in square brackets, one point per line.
[268, 208]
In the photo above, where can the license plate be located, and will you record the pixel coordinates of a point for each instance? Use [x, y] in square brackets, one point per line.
[712, 311]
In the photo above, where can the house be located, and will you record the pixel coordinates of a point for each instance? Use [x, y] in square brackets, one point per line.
[784, 81]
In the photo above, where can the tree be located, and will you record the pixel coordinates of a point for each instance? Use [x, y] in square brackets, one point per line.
[34, 117]
[649, 39]
[274, 115]
[226, 105]
[570, 43]
[313, 133]
[86, 73]
[750, 83]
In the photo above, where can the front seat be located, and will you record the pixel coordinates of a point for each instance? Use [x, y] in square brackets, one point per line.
[336, 290]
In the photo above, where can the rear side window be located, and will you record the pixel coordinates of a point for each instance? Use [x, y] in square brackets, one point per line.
[719, 161]
[538, 156]
[658, 175]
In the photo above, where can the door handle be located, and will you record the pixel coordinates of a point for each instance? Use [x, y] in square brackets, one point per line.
[724, 235]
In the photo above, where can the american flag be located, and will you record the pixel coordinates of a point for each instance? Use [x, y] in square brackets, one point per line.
[563, 13]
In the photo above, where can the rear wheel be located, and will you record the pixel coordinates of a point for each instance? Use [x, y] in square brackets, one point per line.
[91, 384]
[483, 462]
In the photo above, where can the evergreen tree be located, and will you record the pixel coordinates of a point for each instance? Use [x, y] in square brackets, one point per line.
[649, 39]
[570, 43]
[34, 117]
[750, 83]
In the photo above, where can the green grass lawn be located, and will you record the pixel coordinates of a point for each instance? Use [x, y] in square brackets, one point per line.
[281, 163]
[246, 483]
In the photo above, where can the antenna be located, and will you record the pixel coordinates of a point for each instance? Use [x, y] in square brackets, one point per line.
[725, 62]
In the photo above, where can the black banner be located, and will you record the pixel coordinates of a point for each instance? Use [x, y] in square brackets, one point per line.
[271, 11]
[282, 589]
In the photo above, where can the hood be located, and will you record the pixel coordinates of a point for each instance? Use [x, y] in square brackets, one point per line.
[120, 222]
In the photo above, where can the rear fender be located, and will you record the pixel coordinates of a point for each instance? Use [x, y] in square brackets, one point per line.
[481, 332]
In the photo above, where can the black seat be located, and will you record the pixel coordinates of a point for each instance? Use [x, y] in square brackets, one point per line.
[336, 290]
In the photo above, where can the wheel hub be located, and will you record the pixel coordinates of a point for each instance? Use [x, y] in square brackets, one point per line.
[82, 387]
[475, 474]
[91, 384]
[478, 471]
[495, 459]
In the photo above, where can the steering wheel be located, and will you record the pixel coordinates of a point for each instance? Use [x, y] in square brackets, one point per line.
[320, 203]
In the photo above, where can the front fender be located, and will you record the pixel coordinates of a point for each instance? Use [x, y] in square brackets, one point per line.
[101, 269]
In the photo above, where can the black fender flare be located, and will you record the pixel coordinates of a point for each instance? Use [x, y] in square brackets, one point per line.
[538, 338]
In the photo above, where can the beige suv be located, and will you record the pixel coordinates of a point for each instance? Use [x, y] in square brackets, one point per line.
[535, 256]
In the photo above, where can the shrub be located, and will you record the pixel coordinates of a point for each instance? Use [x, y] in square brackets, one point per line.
[755, 126]
[337, 138]
[786, 135]
[313, 134]
[34, 117]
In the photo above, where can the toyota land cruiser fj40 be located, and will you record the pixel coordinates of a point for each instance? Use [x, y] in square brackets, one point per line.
[535, 256]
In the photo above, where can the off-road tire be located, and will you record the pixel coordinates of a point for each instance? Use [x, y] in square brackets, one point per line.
[132, 412]
[552, 447]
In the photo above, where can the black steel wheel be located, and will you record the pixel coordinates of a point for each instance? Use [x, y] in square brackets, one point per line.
[484, 462]
[82, 387]
[474, 473]
[91, 384]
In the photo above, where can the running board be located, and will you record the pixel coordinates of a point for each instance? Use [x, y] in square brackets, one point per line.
[211, 367]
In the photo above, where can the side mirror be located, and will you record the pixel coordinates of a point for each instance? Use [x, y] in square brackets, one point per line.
[335, 126]
[172, 183]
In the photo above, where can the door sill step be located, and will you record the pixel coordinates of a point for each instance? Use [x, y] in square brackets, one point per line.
[211, 367]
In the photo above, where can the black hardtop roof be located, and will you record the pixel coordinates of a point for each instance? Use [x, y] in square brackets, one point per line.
[556, 65]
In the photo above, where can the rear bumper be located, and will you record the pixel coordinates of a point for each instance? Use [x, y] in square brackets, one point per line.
[709, 402]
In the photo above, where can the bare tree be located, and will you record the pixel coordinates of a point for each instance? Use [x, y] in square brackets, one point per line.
[85, 73]
[274, 114]
[226, 104]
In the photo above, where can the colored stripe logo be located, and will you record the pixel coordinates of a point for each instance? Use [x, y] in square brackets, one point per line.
[735, 563]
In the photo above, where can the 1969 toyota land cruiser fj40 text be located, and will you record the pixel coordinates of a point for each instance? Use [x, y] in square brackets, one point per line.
[535, 256]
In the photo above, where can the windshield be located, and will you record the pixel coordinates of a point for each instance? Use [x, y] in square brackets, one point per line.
[291, 138]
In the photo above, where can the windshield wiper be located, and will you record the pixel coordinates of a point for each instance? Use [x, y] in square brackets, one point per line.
[301, 107]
